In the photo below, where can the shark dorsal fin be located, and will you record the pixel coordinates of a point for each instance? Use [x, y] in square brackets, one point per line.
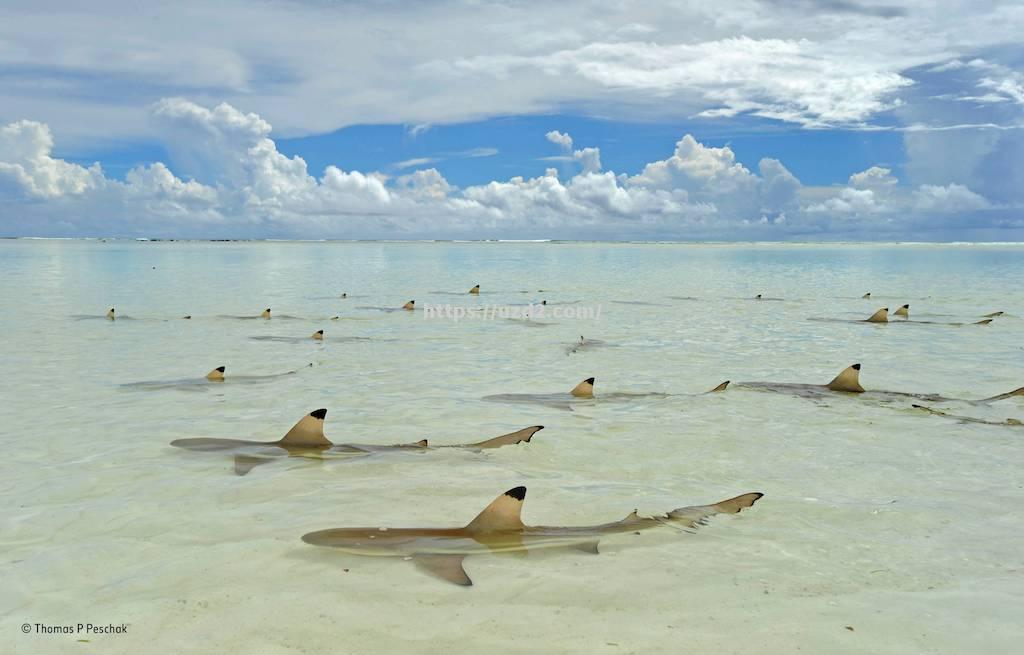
[266, 313]
[866, 295]
[188, 317]
[309, 431]
[318, 335]
[758, 296]
[422, 443]
[110, 313]
[881, 316]
[985, 321]
[475, 290]
[847, 380]
[584, 389]
[503, 514]
[903, 311]
[216, 374]
[1014, 421]
[411, 305]
[992, 315]
[721, 387]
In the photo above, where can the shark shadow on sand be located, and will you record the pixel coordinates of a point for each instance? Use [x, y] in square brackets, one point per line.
[499, 529]
[306, 439]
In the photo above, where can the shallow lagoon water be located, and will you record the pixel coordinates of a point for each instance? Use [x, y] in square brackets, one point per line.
[902, 526]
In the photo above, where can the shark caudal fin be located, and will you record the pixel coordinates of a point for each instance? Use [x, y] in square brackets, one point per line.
[847, 380]
[503, 514]
[309, 431]
[266, 313]
[475, 290]
[867, 296]
[993, 315]
[584, 389]
[721, 387]
[903, 311]
[984, 321]
[881, 316]
[110, 313]
[411, 305]
[509, 439]
[698, 515]
[318, 335]
[1004, 396]
[216, 375]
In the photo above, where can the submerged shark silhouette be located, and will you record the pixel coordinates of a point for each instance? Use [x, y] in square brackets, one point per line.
[848, 382]
[216, 376]
[316, 336]
[1013, 422]
[306, 439]
[499, 528]
[585, 344]
[581, 393]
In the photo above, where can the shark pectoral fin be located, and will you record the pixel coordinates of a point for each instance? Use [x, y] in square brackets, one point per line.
[246, 463]
[446, 567]
[587, 547]
[509, 439]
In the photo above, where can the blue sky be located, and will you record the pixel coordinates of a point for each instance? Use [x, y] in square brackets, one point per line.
[837, 119]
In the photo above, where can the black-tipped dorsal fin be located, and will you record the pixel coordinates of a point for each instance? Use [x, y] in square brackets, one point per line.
[446, 567]
[309, 431]
[509, 439]
[475, 289]
[903, 311]
[503, 514]
[584, 389]
[881, 316]
[266, 313]
[721, 387]
[216, 374]
[866, 295]
[318, 335]
[847, 380]
[409, 305]
[110, 313]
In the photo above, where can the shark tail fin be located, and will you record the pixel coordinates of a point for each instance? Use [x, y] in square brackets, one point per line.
[509, 439]
[847, 380]
[881, 316]
[698, 515]
[1004, 396]
[504, 513]
[584, 389]
[309, 431]
[721, 387]
[216, 375]
[984, 321]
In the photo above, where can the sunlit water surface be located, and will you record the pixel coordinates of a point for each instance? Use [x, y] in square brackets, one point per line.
[882, 530]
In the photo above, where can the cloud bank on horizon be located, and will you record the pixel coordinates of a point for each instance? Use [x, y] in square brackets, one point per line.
[206, 83]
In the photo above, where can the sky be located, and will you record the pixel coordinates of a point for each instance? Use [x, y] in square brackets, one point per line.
[766, 120]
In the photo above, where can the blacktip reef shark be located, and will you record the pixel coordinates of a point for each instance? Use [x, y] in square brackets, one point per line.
[585, 344]
[1012, 422]
[882, 316]
[408, 307]
[848, 383]
[316, 336]
[306, 439]
[582, 393]
[499, 529]
[215, 377]
[265, 315]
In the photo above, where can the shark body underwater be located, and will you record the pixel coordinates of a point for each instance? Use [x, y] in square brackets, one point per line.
[215, 377]
[499, 529]
[316, 336]
[583, 394]
[307, 439]
[882, 316]
[847, 383]
[585, 344]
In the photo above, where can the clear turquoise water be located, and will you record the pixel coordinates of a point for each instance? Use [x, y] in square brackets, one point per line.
[904, 526]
